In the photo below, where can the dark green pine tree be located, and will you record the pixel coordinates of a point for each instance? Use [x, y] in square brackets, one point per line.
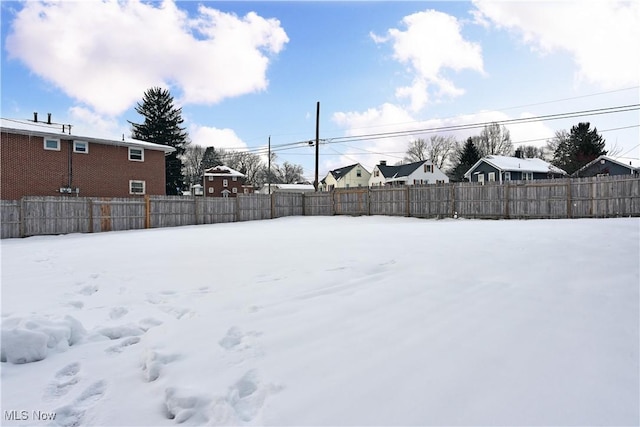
[467, 157]
[161, 125]
[582, 146]
[210, 159]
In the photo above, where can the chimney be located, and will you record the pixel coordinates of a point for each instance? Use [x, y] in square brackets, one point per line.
[383, 163]
[519, 153]
[48, 118]
[35, 116]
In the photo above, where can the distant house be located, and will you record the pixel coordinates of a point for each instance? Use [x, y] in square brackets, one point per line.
[222, 181]
[606, 166]
[351, 176]
[42, 158]
[503, 168]
[417, 173]
[287, 188]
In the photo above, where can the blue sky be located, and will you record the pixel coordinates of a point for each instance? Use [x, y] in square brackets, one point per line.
[244, 71]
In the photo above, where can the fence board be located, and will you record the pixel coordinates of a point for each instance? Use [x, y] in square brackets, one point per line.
[10, 214]
[214, 210]
[253, 207]
[318, 204]
[55, 215]
[560, 198]
[287, 204]
[351, 202]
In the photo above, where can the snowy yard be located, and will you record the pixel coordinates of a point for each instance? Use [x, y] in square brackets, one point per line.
[325, 321]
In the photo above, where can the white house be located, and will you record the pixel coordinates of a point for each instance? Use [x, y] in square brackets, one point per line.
[351, 176]
[417, 173]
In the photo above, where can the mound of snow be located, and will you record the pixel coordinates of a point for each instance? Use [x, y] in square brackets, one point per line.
[26, 340]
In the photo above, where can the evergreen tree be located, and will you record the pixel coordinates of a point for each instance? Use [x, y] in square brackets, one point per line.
[467, 157]
[162, 126]
[582, 146]
[211, 159]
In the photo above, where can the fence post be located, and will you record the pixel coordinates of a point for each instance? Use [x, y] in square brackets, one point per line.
[90, 207]
[237, 215]
[506, 201]
[273, 204]
[147, 211]
[453, 199]
[304, 210]
[569, 202]
[407, 204]
[21, 218]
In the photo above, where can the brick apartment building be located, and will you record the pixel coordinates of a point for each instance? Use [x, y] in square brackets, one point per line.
[45, 159]
[222, 181]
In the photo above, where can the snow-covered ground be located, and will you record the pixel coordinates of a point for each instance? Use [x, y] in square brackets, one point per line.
[325, 321]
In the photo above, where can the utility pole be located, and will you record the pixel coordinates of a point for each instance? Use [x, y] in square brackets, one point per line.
[269, 168]
[317, 142]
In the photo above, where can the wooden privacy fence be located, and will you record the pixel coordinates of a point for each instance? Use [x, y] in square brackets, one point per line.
[600, 197]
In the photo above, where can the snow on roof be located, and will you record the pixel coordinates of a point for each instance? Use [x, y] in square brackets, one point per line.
[308, 187]
[506, 163]
[627, 161]
[222, 171]
[29, 127]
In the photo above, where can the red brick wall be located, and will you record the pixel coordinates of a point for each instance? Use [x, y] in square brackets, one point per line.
[218, 186]
[27, 169]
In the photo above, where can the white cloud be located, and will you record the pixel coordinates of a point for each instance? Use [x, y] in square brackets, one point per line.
[213, 137]
[603, 37]
[106, 54]
[431, 43]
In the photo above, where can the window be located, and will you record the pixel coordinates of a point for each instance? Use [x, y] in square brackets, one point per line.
[439, 181]
[492, 176]
[527, 176]
[376, 172]
[347, 186]
[246, 191]
[52, 144]
[225, 182]
[507, 176]
[136, 187]
[80, 147]
[428, 168]
[358, 173]
[416, 181]
[481, 178]
[234, 190]
[136, 154]
[235, 178]
[210, 178]
[210, 190]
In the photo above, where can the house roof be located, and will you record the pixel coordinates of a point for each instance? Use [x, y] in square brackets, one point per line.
[515, 164]
[628, 162]
[222, 171]
[28, 127]
[400, 171]
[339, 173]
[301, 187]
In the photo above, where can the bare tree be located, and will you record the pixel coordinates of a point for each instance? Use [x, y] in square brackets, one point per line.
[438, 149]
[291, 174]
[532, 152]
[192, 163]
[247, 163]
[561, 137]
[494, 139]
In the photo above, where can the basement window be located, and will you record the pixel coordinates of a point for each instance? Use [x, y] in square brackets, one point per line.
[136, 187]
[136, 154]
[52, 144]
[81, 147]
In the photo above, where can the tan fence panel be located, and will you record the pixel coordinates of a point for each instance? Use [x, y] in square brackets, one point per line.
[172, 211]
[473, 200]
[388, 201]
[253, 207]
[287, 204]
[432, 201]
[536, 199]
[214, 210]
[117, 214]
[55, 215]
[351, 202]
[318, 204]
[10, 214]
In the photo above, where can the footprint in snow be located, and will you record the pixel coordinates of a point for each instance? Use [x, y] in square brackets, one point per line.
[63, 381]
[73, 414]
[119, 348]
[117, 312]
[153, 362]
